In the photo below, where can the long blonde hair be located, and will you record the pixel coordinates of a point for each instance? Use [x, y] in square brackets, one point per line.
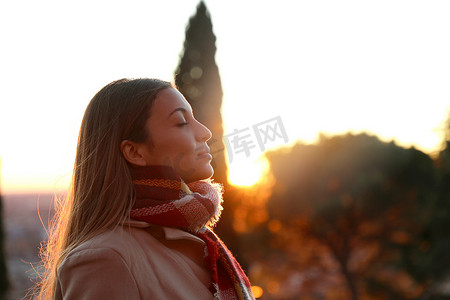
[101, 192]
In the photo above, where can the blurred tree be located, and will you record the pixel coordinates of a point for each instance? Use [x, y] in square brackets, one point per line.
[357, 206]
[439, 259]
[197, 77]
[3, 271]
[4, 283]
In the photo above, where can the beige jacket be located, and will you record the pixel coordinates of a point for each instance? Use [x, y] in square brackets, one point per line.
[136, 261]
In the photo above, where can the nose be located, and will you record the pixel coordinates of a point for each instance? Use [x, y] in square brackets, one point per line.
[203, 133]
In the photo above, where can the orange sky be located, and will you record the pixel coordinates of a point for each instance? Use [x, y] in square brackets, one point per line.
[321, 66]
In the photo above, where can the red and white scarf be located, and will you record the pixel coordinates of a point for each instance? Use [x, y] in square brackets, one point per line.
[163, 198]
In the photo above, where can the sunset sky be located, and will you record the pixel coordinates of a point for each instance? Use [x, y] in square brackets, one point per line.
[319, 66]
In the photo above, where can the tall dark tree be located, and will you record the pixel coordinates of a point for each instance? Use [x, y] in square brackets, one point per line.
[198, 79]
[3, 272]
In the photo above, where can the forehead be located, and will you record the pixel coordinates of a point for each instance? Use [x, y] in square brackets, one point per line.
[167, 101]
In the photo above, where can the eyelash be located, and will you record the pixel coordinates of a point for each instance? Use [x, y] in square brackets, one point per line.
[183, 124]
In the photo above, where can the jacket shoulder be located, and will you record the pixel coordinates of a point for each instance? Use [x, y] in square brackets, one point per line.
[95, 273]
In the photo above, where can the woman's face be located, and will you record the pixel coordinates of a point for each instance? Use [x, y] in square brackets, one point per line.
[177, 139]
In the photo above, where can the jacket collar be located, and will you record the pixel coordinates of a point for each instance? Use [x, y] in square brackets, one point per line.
[170, 233]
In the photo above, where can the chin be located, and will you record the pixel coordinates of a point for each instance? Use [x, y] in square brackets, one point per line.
[204, 172]
[209, 172]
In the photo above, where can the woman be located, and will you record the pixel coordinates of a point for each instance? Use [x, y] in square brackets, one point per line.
[137, 223]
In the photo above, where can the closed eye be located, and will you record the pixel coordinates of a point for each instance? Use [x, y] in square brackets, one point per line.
[183, 124]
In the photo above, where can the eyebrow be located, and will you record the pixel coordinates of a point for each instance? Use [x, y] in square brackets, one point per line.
[177, 109]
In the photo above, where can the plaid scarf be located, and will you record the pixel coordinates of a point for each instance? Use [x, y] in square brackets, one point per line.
[162, 198]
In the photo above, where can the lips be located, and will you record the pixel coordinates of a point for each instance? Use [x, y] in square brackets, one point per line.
[205, 153]
[205, 150]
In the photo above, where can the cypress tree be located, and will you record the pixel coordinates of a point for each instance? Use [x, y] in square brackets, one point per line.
[198, 79]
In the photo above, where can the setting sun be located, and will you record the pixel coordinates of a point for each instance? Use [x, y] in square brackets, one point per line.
[247, 172]
[318, 74]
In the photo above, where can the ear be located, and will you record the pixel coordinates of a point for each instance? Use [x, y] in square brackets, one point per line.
[133, 153]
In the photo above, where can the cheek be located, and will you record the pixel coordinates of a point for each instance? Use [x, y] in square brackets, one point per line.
[175, 146]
